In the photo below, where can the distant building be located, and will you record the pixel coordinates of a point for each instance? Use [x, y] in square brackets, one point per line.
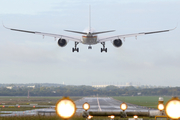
[31, 86]
[99, 86]
[120, 86]
[53, 91]
[9, 87]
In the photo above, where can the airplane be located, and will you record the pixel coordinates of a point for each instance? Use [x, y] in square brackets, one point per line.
[90, 37]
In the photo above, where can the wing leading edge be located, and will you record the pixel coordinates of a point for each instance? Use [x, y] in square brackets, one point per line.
[132, 35]
[46, 34]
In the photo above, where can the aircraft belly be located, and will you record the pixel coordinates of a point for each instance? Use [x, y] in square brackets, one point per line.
[89, 41]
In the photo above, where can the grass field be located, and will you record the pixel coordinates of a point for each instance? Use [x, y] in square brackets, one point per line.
[148, 101]
[32, 100]
[27, 101]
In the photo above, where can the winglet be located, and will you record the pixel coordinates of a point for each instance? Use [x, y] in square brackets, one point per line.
[4, 26]
[174, 28]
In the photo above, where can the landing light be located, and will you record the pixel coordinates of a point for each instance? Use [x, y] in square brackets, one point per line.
[112, 116]
[160, 107]
[89, 117]
[172, 108]
[86, 106]
[65, 108]
[123, 106]
[135, 116]
[160, 104]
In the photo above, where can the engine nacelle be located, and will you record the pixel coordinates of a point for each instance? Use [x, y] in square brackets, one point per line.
[62, 42]
[117, 42]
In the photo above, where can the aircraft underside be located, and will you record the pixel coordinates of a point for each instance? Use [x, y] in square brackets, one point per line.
[89, 47]
[89, 40]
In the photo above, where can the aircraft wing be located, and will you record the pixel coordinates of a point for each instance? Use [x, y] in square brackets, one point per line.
[131, 35]
[47, 34]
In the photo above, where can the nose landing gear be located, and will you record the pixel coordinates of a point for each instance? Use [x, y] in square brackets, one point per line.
[90, 47]
[103, 49]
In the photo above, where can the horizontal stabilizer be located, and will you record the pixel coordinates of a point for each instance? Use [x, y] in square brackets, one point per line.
[84, 33]
[95, 33]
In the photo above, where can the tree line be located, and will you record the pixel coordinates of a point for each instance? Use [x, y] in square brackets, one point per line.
[89, 91]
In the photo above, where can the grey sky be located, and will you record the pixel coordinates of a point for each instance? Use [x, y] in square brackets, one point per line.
[151, 59]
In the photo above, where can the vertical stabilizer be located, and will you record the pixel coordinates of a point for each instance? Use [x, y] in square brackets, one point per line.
[89, 18]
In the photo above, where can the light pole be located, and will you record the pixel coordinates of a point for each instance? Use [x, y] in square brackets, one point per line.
[86, 107]
[161, 105]
[123, 107]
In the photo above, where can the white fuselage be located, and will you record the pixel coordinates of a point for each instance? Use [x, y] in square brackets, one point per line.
[89, 39]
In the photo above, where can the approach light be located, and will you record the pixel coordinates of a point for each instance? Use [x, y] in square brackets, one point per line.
[65, 108]
[86, 106]
[112, 116]
[160, 104]
[172, 108]
[161, 100]
[123, 106]
[89, 117]
[160, 107]
[135, 116]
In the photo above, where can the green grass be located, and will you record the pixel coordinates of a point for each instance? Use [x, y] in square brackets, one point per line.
[148, 101]
[11, 100]
[18, 109]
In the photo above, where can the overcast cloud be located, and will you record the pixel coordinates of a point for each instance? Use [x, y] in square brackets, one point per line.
[151, 59]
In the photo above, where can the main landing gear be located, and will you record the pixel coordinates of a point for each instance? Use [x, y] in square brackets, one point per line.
[103, 49]
[75, 48]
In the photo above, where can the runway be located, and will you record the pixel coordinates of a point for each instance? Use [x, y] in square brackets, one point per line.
[106, 104]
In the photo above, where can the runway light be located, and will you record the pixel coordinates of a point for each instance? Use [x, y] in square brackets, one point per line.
[160, 104]
[160, 107]
[112, 116]
[123, 106]
[172, 108]
[135, 116]
[86, 106]
[65, 108]
[89, 117]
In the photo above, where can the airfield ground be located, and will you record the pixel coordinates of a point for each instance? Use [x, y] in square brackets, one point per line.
[57, 118]
[106, 104]
[148, 101]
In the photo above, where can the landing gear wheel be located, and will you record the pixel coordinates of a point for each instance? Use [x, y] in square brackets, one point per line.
[103, 49]
[75, 48]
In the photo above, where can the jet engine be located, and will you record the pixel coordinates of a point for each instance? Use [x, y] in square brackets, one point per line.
[62, 42]
[117, 42]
